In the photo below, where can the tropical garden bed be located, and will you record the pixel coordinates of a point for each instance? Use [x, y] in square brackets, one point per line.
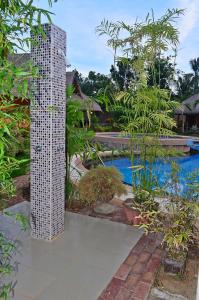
[182, 285]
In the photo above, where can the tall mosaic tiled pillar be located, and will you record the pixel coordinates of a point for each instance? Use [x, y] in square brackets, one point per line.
[48, 134]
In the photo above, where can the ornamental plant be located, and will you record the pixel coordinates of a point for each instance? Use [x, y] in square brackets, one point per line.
[7, 189]
[148, 109]
[78, 138]
[179, 230]
[144, 109]
[177, 221]
[100, 185]
[183, 211]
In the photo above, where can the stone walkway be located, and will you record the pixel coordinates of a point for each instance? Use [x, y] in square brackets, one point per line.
[136, 275]
[94, 259]
[77, 265]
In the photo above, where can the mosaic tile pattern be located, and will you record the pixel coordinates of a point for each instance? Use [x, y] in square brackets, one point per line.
[48, 134]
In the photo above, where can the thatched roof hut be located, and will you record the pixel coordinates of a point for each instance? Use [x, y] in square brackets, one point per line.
[190, 106]
[87, 103]
[187, 115]
[20, 59]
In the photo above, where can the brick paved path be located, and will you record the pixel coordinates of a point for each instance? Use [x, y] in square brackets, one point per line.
[136, 275]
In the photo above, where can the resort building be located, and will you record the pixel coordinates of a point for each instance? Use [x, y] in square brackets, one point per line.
[21, 59]
[187, 116]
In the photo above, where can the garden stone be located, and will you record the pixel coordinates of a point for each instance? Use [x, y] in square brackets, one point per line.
[105, 209]
[123, 197]
[117, 202]
[165, 295]
[163, 203]
[173, 266]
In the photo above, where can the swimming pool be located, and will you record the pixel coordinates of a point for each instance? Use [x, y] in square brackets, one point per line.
[161, 169]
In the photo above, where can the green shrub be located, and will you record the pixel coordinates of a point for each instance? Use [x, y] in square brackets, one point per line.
[180, 227]
[100, 185]
[103, 128]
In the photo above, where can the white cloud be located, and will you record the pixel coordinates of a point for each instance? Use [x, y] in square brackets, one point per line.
[188, 26]
[190, 19]
[86, 50]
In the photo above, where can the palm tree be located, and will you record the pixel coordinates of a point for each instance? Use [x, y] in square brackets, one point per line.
[195, 67]
[185, 86]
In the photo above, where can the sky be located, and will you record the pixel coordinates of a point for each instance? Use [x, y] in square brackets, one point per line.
[87, 51]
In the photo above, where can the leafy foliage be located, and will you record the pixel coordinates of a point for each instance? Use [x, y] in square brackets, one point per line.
[146, 110]
[6, 250]
[145, 105]
[195, 67]
[184, 86]
[78, 137]
[122, 74]
[177, 221]
[187, 84]
[17, 18]
[100, 185]
[93, 83]
[144, 41]
[162, 73]
[179, 229]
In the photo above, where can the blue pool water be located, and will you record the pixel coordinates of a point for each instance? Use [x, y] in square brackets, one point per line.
[161, 169]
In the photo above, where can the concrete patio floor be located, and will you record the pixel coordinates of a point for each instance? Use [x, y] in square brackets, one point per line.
[78, 265]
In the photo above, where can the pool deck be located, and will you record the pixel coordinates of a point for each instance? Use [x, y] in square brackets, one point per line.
[115, 140]
[78, 265]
